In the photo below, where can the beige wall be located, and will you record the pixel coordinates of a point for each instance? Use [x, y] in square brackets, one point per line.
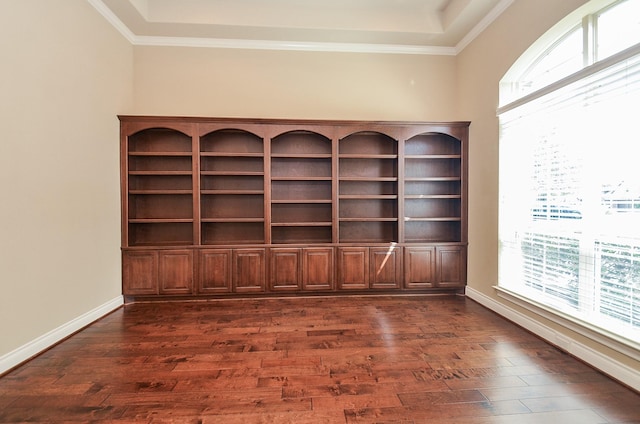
[480, 67]
[291, 84]
[64, 75]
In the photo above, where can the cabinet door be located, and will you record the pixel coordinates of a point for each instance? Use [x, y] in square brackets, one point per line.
[175, 271]
[214, 271]
[419, 267]
[353, 268]
[451, 263]
[317, 268]
[385, 270]
[285, 269]
[249, 270]
[139, 273]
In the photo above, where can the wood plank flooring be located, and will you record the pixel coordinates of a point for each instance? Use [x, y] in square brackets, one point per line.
[417, 359]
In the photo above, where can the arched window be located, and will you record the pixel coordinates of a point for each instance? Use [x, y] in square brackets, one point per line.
[569, 225]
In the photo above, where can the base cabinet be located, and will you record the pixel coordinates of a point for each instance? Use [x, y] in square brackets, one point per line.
[353, 268]
[175, 272]
[165, 272]
[385, 267]
[435, 267]
[249, 270]
[318, 269]
[140, 273]
[451, 265]
[214, 271]
[419, 266]
[286, 269]
[361, 268]
[228, 271]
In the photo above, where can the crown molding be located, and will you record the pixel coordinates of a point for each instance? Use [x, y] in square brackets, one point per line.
[292, 45]
[113, 20]
[483, 24]
[143, 40]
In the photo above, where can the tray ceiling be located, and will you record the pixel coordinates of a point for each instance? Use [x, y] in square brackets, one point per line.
[387, 26]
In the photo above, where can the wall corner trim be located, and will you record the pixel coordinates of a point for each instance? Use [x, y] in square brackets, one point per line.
[42, 343]
[598, 360]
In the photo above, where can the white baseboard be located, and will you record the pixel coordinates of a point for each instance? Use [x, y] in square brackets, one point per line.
[40, 344]
[598, 360]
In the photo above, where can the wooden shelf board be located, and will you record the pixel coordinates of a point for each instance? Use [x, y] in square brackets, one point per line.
[231, 220]
[160, 221]
[232, 192]
[432, 196]
[301, 224]
[164, 244]
[366, 241]
[364, 156]
[153, 192]
[368, 196]
[300, 201]
[434, 219]
[160, 173]
[232, 154]
[301, 155]
[428, 241]
[232, 173]
[300, 178]
[181, 154]
[368, 219]
[230, 242]
[432, 179]
[369, 179]
[294, 241]
[432, 156]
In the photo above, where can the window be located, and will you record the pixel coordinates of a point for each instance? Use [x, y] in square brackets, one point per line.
[569, 223]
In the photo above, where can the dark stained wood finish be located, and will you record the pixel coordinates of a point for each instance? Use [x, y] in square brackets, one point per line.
[419, 266]
[385, 267]
[401, 359]
[215, 271]
[286, 269]
[249, 270]
[175, 271]
[317, 268]
[256, 187]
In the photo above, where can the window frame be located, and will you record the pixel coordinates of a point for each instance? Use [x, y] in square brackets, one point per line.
[586, 18]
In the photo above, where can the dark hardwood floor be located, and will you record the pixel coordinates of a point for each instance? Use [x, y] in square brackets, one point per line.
[415, 359]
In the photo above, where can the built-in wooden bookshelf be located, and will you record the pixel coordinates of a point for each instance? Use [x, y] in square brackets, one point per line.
[214, 206]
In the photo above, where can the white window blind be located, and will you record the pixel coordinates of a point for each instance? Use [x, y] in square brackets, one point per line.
[570, 198]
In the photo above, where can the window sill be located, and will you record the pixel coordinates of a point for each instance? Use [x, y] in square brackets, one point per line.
[620, 344]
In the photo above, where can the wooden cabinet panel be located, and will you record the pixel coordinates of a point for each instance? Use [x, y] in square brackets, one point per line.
[353, 268]
[386, 267]
[285, 269]
[140, 273]
[451, 263]
[176, 271]
[317, 268]
[419, 267]
[214, 271]
[249, 270]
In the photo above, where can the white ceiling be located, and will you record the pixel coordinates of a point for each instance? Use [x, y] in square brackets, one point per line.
[386, 26]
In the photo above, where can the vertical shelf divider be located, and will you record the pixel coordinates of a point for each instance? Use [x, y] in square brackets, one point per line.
[195, 150]
[335, 187]
[267, 189]
[401, 190]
